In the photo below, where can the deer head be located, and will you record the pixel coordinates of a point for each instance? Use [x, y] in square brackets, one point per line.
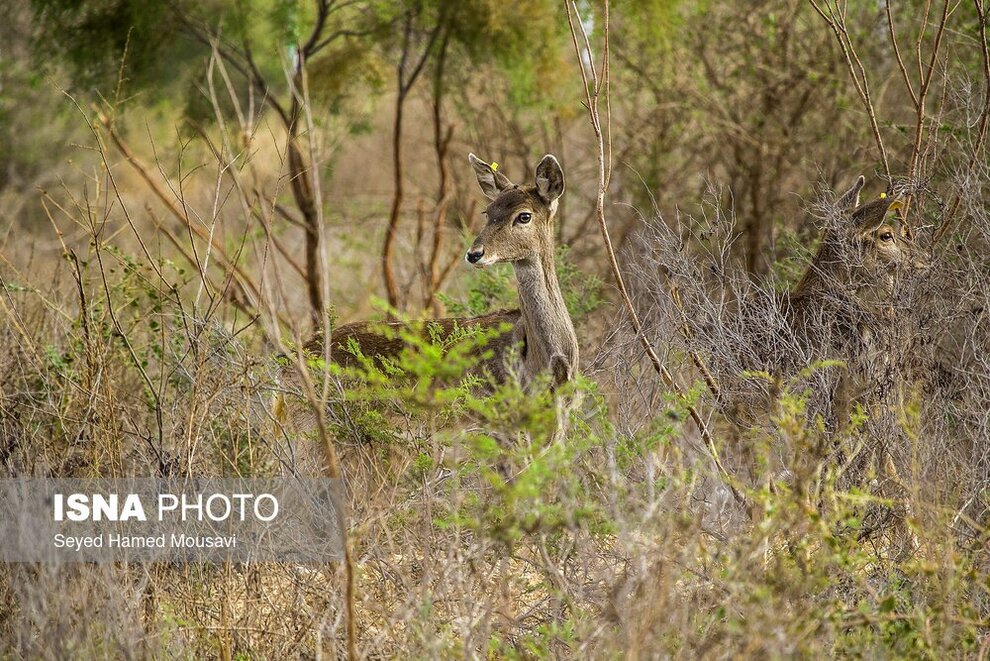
[868, 246]
[884, 239]
[519, 223]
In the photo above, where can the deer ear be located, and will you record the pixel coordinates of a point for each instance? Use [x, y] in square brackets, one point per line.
[549, 179]
[850, 199]
[492, 181]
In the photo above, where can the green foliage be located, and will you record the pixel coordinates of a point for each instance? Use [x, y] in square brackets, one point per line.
[26, 144]
[795, 255]
[524, 44]
[344, 71]
[487, 289]
[161, 48]
[526, 468]
[544, 489]
[539, 485]
[486, 518]
[493, 288]
[582, 291]
[94, 37]
[528, 45]
[653, 24]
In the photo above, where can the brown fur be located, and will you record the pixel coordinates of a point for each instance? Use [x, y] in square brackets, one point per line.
[373, 343]
[862, 256]
[843, 308]
[845, 303]
[541, 328]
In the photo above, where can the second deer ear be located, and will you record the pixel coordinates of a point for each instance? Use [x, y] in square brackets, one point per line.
[492, 181]
[549, 179]
[850, 199]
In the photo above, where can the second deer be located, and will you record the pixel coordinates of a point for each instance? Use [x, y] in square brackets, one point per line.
[845, 305]
[844, 308]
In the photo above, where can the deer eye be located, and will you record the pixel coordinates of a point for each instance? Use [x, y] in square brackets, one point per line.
[887, 237]
[524, 218]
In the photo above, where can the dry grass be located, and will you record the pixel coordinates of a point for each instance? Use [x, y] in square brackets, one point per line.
[472, 533]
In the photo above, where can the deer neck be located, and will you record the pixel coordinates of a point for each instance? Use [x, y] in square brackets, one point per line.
[548, 326]
[830, 276]
[825, 275]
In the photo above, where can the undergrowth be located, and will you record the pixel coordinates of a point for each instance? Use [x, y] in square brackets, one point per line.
[485, 519]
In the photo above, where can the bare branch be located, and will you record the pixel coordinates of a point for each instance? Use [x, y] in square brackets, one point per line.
[592, 94]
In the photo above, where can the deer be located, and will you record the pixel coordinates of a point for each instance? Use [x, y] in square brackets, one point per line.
[519, 230]
[835, 335]
[845, 305]
[843, 308]
[849, 306]
[862, 256]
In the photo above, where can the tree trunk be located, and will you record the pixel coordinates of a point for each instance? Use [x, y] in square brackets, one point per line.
[302, 192]
[441, 144]
[391, 288]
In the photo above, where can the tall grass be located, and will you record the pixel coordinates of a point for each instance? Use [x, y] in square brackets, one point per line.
[485, 520]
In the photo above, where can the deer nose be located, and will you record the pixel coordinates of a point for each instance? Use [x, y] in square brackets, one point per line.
[475, 254]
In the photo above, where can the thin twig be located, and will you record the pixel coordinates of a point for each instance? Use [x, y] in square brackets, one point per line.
[982, 123]
[242, 278]
[854, 64]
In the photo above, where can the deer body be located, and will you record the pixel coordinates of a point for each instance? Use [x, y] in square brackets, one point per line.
[846, 301]
[376, 344]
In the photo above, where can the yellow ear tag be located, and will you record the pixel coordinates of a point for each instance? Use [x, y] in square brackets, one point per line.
[494, 166]
[883, 196]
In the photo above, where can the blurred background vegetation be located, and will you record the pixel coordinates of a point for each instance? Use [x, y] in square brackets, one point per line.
[754, 101]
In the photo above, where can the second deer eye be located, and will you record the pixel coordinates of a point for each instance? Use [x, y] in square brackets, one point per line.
[524, 218]
[886, 237]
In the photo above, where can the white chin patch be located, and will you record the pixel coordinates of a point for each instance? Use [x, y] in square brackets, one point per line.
[487, 260]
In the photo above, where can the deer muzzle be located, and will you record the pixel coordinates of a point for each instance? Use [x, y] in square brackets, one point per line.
[475, 254]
